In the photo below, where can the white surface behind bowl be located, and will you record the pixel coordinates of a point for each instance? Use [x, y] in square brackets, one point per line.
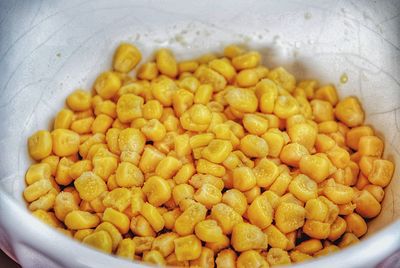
[49, 48]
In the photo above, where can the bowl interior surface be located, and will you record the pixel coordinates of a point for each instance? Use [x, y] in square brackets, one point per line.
[49, 49]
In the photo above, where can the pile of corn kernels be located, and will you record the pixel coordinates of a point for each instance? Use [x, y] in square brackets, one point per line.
[217, 161]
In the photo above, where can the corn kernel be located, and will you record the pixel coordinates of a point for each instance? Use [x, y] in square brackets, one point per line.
[126, 249]
[292, 153]
[187, 248]
[148, 71]
[277, 256]
[107, 85]
[309, 246]
[246, 236]
[322, 111]
[348, 239]
[185, 223]
[157, 190]
[350, 112]
[303, 188]
[260, 212]
[187, 66]
[226, 259]
[366, 204]
[166, 63]
[79, 100]
[226, 217]
[77, 220]
[247, 60]
[289, 217]
[286, 106]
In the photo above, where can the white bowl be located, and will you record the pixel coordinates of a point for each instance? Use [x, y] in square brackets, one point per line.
[49, 48]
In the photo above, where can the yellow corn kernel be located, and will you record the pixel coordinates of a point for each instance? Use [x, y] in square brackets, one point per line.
[182, 145]
[252, 194]
[247, 78]
[100, 240]
[112, 231]
[266, 172]
[339, 157]
[217, 151]
[173, 261]
[78, 220]
[206, 259]
[40, 144]
[81, 234]
[286, 106]
[376, 191]
[251, 258]
[322, 111]
[350, 112]
[82, 126]
[289, 217]
[46, 217]
[290, 198]
[370, 146]
[297, 256]
[208, 195]
[200, 140]
[303, 188]
[45, 202]
[260, 212]
[327, 93]
[333, 209]
[356, 224]
[163, 90]
[118, 219]
[126, 57]
[316, 229]
[131, 140]
[315, 167]
[141, 227]
[187, 66]
[76, 169]
[36, 172]
[309, 246]
[338, 227]
[255, 124]
[346, 209]
[151, 214]
[276, 239]
[104, 166]
[150, 159]
[164, 243]
[226, 259]
[236, 200]
[366, 204]
[309, 87]
[129, 107]
[37, 189]
[267, 93]
[316, 210]
[182, 100]
[63, 119]
[126, 249]
[154, 130]
[348, 239]
[326, 250]
[170, 218]
[167, 167]
[209, 76]
[65, 142]
[246, 236]
[185, 223]
[226, 217]
[87, 144]
[366, 163]
[157, 190]
[275, 143]
[324, 143]
[203, 94]
[303, 134]
[128, 175]
[107, 85]
[52, 161]
[327, 127]
[253, 146]
[247, 60]
[79, 100]
[184, 173]
[338, 193]
[208, 231]
[119, 198]
[63, 204]
[277, 256]
[142, 243]
[148, 71]
[187, 248]
[281, 183]
[283, 78]
[152, 110]
[166, 63]
[272, 197]
[223, 67]
[292, 153]
[189, 83]
[206, 167]
[244, 178]
[89, 186]
[101, 124]
[354, 135]
[242, 100]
